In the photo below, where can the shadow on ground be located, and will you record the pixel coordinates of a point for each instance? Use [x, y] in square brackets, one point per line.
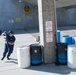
[52, 68]
[12, 60]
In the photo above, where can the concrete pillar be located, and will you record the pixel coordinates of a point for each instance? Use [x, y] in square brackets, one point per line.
[47, 26]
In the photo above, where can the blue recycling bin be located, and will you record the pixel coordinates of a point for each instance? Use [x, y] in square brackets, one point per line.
[67, 39]
[61, 54]
[62, 58]
[74, 40]
[36, 54]
[58, 36]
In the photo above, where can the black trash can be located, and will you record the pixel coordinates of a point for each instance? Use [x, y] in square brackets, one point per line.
[36, 54]
[61, 54]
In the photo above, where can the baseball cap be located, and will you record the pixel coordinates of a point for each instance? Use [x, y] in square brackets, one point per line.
[10, 32]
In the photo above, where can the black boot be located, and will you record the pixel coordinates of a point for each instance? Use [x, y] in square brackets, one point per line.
[2, 57]
[8, 56]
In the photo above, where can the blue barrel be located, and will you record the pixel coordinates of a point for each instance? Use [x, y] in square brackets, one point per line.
[74, 40]
[62, 58]
[61, 54]
[67, 39]
[58, 36]
[36, 54]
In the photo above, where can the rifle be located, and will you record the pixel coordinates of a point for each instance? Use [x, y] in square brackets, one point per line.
[6, 38]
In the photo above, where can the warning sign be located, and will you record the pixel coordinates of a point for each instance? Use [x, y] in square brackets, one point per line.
[49, 37]
[49, 26]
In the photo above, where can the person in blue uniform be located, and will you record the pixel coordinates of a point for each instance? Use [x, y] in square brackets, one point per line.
[9, 44]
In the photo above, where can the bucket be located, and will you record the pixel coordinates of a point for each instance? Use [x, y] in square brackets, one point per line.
[58, 36]
[71, 56]
[74, 40]
[23, 56]
[67, 39]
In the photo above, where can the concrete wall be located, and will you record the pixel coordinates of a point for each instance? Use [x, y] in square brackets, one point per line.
[66, 16]
[11, 11]
[72, 16]
[62, 16]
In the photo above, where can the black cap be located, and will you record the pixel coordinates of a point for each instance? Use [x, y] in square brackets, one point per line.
[10, 32]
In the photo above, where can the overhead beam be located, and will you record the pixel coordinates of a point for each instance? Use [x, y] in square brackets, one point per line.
[65, 3]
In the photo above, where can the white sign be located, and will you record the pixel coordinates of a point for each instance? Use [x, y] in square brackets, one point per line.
[11, 21]
[49, 26]
[49, 37]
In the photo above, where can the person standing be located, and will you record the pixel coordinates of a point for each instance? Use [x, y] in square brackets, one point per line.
[9, 44]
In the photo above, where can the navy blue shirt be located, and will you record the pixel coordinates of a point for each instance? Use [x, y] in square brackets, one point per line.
[11, 39]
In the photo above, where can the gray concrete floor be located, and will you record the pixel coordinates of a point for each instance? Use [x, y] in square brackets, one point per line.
[10, 67]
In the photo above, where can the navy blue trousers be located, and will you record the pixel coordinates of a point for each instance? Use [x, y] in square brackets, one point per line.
[8, 49]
